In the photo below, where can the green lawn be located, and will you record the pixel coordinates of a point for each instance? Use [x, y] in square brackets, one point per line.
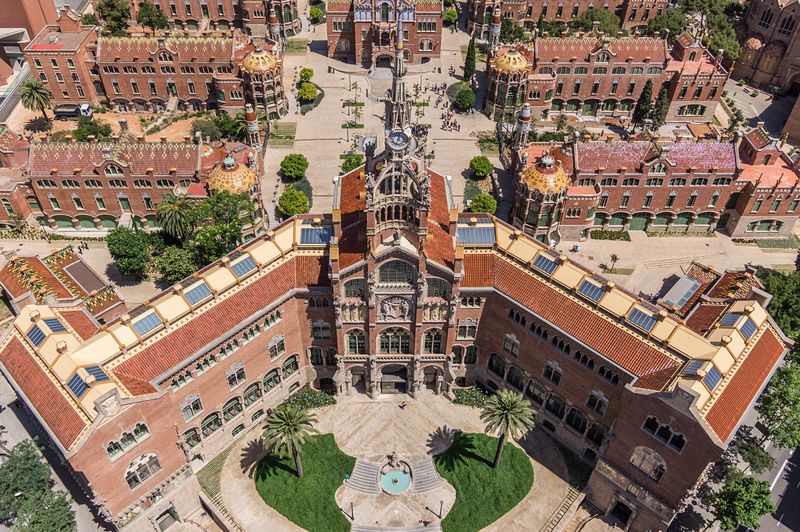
[308, 502]
[483, 494]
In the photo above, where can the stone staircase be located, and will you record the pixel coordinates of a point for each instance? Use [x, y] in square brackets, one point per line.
[364, 478]
[555, 518]
[433, 527]
[426, 478]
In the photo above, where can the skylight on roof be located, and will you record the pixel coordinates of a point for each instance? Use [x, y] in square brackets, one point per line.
[748, 328]
[55, 325]
[77, 386]
[198, 293]
[36, 335]
[642, 319]
[476, 235]
[243, 266]
[316, 235]
[544, 263]
[730, 320]
[96, 372]
[591, 290]
[712, 378]
[147, 324]
[692, 367]
[682, 291]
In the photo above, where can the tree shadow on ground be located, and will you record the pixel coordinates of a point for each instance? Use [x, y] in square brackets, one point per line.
[460, 448]
[38, 125]
[688, 520]
[118, 279]
[252, 453]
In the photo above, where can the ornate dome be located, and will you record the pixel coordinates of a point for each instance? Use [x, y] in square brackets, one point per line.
[259, 62]
[511, 61]
[546, 175]
[231, 177]
[753, 43]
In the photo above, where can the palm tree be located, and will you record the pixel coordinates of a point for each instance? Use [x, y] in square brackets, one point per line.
[508, 414]
[614, 259]
[286, 431]
[175, 215]
[36, 96]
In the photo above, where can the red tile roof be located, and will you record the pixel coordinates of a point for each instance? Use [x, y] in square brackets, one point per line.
[439, 246]
[614, 155]
[185, 49]
[704, 316]
[80, 322]
[734, 285]
[549, 48]
[353, 245]
[440, 209]
[42, 394]
[769, 175]
[758, 138]
[743, 388]
[161, 157]
[179, 344]
[312, 270]
[619, 345]
[478, 270]
[16, 285]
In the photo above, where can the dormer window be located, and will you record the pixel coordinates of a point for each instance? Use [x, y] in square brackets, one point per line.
[113, 169]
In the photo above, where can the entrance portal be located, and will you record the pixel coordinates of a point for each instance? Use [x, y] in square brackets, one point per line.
[394, 379]
[383, 61]
[429, 377]
[359, 381]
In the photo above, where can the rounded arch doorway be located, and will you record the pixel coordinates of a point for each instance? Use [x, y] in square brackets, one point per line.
[394, 379]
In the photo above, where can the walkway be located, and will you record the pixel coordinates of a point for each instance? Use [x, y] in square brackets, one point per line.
[371, 430]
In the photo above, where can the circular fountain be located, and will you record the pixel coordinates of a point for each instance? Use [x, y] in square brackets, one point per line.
[395, 475]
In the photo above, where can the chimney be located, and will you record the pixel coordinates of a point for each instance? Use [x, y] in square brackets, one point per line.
[163, 139]
[140, 139]
[123, 124]
[90, 138]
[115, 138]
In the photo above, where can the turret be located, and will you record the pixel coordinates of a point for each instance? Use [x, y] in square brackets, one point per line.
[519, 141]
[494, 31]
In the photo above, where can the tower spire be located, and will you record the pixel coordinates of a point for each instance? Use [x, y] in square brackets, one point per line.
[400, 111]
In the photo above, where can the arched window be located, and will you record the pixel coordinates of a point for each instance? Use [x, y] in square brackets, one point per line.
[787, 26]
[384, 12]
[536, 392]
[648, 462]
[397, 271]
[658, 168]
[211, 424]
[164, 56]
[315, 354]
[394, 340]
[191, 437]
[516, 378]
[458, 354]
[556, 406]
[577, 420]
[113, 169]
[603, 58]
[141, 469]
[232, 409]
[271, 380]
[766, 18]
[251, 394]
[497, 365]
[356, 342]
[597, 434]
[318, 302]
[290, 366]
[438, 288]
[355, 288]
[432, 342]
[471, 355]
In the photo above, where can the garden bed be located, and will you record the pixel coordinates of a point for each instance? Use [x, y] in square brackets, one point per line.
[309, 502]
[305, 107]
[483, 494]
[472, 396]
[602, 234]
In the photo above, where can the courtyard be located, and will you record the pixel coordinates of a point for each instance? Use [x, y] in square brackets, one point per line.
[370, 431]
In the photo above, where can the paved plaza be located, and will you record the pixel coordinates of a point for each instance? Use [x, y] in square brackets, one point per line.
[371, 430]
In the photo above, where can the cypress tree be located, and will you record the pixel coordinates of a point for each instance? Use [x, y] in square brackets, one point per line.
[644, 105]
[469, 62]
[659, 113]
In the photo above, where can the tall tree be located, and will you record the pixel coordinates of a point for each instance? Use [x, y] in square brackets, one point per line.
[644, 105]
[756, 457]
[151, 17]
[510, 31]
[779, 406]
[176, 264]
[469, 62]
[508, 415]
[742, 501]
[129, 250]
[287, 429]
[609, 23]
[46, 511]
[116, 15]
[22, 472]
[36, 96]
[659, 112]
[673, 20]
[785, 304]
[176, 215]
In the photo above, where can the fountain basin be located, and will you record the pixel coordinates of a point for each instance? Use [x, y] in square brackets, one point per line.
[395, 482]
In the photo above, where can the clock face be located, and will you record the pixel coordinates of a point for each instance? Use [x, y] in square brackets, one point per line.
[397, 140]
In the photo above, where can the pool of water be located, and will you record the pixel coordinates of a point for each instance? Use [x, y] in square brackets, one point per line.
[395, 482]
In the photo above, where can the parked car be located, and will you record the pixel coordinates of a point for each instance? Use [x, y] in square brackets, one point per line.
[72, 111]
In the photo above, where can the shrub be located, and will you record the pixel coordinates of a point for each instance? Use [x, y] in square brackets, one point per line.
[306, 397]
[472, 396]
[450, 16]
[480, 166]
[294, 166]
[315, 14]
[352, 161]
[207, 129]
[306, 73]
[293, 202]
[176, 264]
[483, 203]
[307, 92]
[465, 99]
[602, 234]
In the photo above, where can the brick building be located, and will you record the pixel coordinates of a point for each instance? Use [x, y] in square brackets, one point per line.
[395, 291]
[365, 31]
[22, 20]
[747, 187]
[633, 14]
[254, 15]
[594, 75]
[155, 73]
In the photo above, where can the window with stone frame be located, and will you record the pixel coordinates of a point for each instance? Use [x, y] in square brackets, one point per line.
[191, 438]
[577, 420]
[556, 406]
[536, 392]
[251, 394]
[141, 469]
[511, 345]
[290, 367]
[516, 378]
[356, 342]
[597, 434]
[497, 365]
[648, 462]
[438, 288]
[315, 355]
[191, 406]
[232, 409]
[276, 347]
[397, 271]
[471, 355]
[321, 330]
[597, 402]
[394, 341]
[211, 424]
[355, 288]
[432, 341]
[467, 329]
[235, 375]
[271, 380]
[552, 373]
